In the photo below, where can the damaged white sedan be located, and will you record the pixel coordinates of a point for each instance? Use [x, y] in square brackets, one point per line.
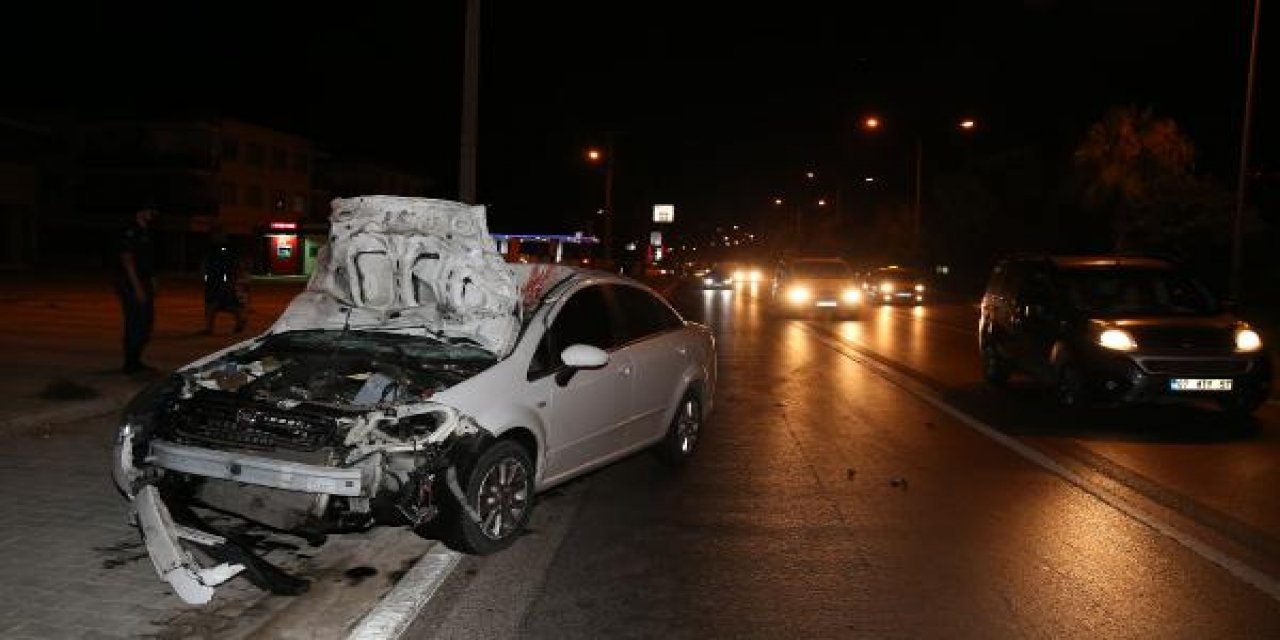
[419, 381]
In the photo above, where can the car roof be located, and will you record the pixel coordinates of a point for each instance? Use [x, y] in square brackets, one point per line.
[1106, 261]
[818, 259]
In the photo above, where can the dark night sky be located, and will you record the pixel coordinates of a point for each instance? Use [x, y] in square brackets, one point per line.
[714, 105]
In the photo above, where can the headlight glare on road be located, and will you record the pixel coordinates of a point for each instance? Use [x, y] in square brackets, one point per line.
[798, 294]
[1117, 339]
[1248, 340]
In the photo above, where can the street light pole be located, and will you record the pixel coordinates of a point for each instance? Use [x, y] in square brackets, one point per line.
[470, 101]
[916, 211]
[608, 199]
[1237, 223]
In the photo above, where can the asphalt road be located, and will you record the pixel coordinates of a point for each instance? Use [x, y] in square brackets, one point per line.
[859, 481]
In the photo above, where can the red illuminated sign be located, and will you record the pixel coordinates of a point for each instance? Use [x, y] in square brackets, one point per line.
[284, 226]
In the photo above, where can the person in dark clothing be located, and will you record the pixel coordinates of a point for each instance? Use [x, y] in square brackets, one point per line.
[134, 268]
[225, 283]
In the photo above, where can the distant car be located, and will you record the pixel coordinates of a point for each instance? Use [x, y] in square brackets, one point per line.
[815, 284]
[746, 273]
[419, 381]
[712, 277]
[1118, 328]
[895, 285]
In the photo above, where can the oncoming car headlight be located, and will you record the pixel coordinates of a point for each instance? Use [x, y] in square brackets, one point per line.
[798, 294]
[886, 287]
[1117, 339]
[851, 295]
[919, 288]
[1248, 340]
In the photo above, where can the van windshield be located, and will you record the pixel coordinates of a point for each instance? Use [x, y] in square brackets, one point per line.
[1117, 292]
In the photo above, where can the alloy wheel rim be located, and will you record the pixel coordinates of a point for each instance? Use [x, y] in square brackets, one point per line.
[503, 498]
[687, 427]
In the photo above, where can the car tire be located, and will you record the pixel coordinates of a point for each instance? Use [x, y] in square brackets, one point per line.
[1068, 386]
[499, 488]
[681, 440]
[995, 367]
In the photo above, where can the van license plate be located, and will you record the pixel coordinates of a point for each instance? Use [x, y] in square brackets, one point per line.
[1200, 384]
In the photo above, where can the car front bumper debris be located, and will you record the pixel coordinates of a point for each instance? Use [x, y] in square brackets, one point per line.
[193, 583]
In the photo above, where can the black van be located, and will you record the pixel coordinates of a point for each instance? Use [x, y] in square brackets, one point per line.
[1124, 329]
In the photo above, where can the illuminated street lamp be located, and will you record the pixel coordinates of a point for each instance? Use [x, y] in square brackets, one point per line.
[872, 123]
[595, 156]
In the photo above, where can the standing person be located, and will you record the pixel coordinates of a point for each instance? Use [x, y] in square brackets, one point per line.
[135, 286]
[225, 283]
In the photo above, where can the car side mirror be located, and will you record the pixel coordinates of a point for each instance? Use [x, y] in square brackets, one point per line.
[577, 357]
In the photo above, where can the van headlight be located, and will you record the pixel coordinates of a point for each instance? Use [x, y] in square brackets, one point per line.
[1248, 340]
[1117, 339]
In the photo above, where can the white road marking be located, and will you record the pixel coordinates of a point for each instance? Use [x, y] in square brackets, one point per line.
[396, 611]
[1268, 584]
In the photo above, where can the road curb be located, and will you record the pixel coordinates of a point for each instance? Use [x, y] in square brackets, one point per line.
[391, 617]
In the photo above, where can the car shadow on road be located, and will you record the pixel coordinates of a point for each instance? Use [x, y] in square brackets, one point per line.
[1025, 409]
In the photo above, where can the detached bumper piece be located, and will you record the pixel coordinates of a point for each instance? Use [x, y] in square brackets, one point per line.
[193, 583]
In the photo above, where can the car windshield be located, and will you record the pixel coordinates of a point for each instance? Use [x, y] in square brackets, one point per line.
[1111, 292]
[820, 269]
[898, 275]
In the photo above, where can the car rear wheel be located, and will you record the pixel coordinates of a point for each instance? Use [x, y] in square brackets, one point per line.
[682, 436]
[498, 490]
[995, 367]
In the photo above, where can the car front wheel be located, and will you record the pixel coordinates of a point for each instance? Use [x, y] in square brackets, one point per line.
[1069, 386]
[498, 493]
[995, 368]
[683, 434]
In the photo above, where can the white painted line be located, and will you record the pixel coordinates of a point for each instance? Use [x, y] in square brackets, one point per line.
[392, 616]
[1268, 584]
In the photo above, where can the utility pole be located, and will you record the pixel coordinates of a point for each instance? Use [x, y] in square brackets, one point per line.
[470, 103]
[608, 198]
[1237, 223]
[915, 210]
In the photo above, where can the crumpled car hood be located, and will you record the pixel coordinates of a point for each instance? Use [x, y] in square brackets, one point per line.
[412, 265]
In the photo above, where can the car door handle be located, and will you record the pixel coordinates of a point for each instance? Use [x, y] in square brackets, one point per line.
[625, 370]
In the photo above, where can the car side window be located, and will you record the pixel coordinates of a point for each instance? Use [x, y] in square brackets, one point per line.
[642, 314]
[585, 318]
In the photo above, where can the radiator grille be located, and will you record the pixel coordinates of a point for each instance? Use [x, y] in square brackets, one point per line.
[229, 420]
[1195, 368]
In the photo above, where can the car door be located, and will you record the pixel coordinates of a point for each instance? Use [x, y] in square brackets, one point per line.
[1036, 312]
[585, 415]
[655, 344]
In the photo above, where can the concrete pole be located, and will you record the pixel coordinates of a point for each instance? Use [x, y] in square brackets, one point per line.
[470, 104]
[1237, 223]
